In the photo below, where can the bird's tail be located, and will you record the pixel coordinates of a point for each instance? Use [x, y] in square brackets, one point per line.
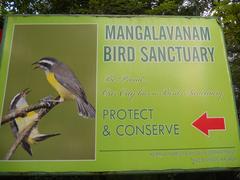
[42, 137]
[26, 146]
[85, 109]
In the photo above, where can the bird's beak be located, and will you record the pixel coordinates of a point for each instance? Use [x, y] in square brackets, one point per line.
[26, 91]
[36, 65]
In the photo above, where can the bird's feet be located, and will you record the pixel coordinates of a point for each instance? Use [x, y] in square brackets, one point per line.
[49, 100]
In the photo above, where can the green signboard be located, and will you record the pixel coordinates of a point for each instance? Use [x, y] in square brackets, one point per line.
[115, 93]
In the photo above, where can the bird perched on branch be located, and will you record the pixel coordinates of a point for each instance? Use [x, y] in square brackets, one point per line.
[18, 124]
[64, 81]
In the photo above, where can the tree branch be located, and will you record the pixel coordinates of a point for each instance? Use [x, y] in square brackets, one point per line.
[23, 112]
[44, 107]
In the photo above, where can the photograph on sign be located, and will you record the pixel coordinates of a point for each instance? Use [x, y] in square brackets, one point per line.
[47, 61]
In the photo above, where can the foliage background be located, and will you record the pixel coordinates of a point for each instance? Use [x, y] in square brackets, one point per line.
[227, 12]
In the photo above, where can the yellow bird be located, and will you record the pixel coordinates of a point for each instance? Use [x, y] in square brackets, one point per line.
[18, 124]
[65, 82]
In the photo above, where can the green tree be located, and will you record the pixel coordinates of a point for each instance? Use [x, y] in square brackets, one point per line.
[228, 13]
[45, 6]
[118, 6]
[167, 7]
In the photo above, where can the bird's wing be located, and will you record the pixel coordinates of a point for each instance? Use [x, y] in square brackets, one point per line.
[68, 79]
[18, 124]
[27, 147]
[14, 128]
[42, 137]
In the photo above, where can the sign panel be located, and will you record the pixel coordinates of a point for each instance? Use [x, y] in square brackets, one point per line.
[143, 93]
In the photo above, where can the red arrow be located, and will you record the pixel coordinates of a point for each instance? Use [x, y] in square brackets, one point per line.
[206, 124]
